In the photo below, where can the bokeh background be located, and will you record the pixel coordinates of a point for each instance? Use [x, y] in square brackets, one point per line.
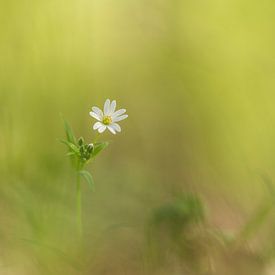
[187, 187]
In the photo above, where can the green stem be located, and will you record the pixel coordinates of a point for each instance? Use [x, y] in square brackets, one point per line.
[79, 204]
[96, 137]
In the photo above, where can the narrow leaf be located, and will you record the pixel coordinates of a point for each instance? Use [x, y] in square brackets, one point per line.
[71, 146]
[70, 154]
[88, 177]
[69, 132]
[98, 147]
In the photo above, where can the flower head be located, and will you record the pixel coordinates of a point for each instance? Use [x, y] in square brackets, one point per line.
[108, 118]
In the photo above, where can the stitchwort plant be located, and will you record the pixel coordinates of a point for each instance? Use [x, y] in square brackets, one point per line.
[81, 153]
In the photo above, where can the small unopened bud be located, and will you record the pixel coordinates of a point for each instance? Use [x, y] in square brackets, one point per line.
[90, 148]
[81, 149]
[80, 141]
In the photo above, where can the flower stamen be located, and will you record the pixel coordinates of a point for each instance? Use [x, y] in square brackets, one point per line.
[107, 120]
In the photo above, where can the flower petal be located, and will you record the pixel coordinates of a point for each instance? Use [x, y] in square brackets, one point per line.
[97, 125]
[116, 119]
[107, 107]
[95, 115]
[97, 111]
[116, 127]
[101, 129]
[112, 107]
[118, 113]
[111, 129]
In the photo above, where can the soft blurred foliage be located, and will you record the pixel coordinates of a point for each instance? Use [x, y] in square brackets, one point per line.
[187, 187]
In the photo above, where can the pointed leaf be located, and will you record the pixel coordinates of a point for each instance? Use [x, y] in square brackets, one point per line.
[72, 147]
[98, 147]
[69, 154]
[88, 177]
[69, 132]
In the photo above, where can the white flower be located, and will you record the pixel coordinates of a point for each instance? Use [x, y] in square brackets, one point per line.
[108, 118]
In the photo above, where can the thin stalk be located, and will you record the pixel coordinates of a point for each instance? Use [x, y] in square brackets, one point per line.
[96, 137]
[79, 204]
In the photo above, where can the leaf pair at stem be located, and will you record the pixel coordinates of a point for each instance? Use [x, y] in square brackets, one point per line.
[81, 153]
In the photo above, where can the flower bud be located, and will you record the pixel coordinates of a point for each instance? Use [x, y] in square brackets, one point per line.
[80, 141]
[81, 149]
[90, 148]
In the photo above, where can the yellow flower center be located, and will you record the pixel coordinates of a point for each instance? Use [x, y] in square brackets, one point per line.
[107, 120]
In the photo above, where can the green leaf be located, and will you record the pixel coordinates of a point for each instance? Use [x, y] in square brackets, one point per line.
[88, 177]
[72, 147]
[69, 154]
[69, 132]
[98, 147]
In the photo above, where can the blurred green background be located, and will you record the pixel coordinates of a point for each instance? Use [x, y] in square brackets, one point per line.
[185, 188]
